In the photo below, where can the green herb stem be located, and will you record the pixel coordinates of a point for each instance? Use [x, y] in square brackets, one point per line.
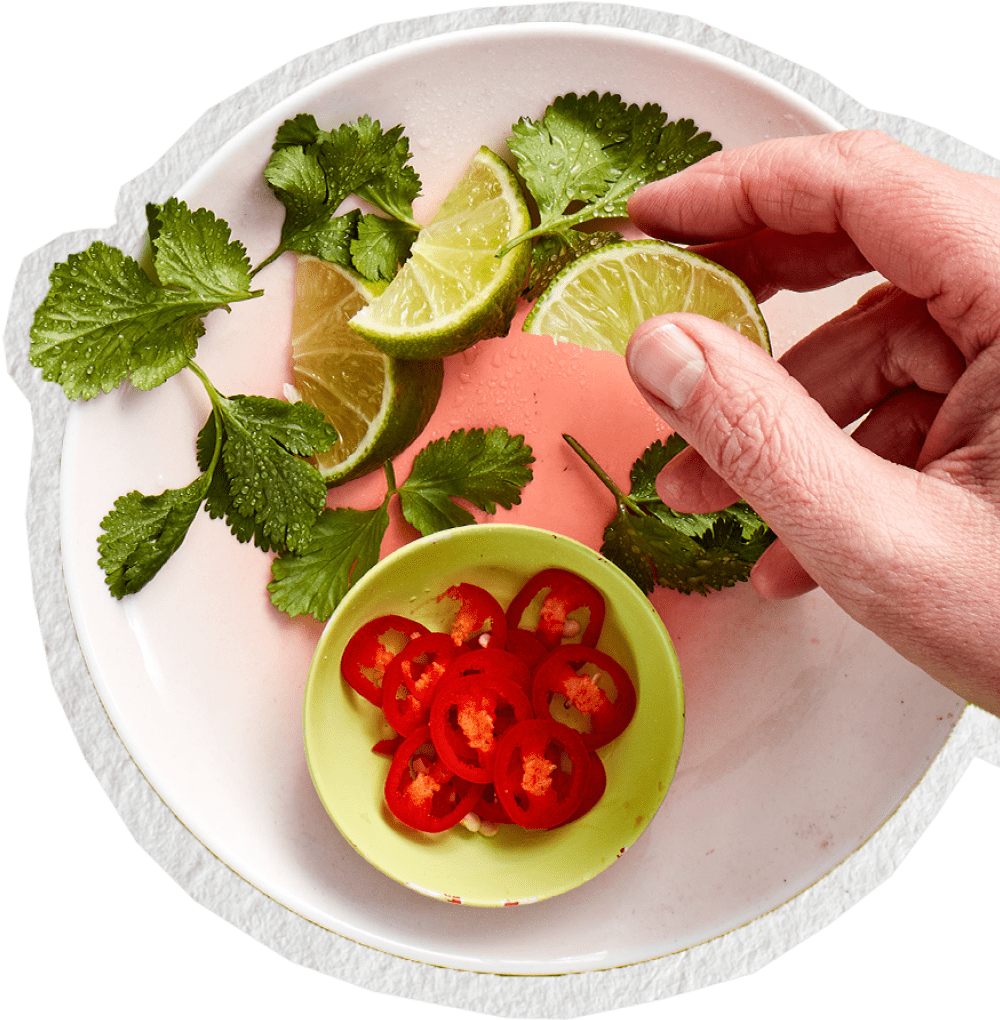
[620, 497]
[213, 393]
[398, 213]
[558, 225]
[528, 235]
[215, 397]
[276, 254]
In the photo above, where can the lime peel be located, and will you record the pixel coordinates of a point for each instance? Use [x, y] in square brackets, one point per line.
[599, 299]
[377, 403]
[453, 290]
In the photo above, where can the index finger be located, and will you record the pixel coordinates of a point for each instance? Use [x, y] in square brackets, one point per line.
[928, 228]
[800, 185]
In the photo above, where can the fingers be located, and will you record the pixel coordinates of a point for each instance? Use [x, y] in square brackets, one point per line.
[912, 552]
[769, 262]
[963, 444]
[779, 575]
[823, 184]
[886, 343]
[895, 431]
[688, 485]
[741, 411]
[861, 189]
[758, 429]
[910, 555]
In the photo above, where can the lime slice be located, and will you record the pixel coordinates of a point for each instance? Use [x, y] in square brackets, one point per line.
[599, 300]
[377, 404]
[453, 290]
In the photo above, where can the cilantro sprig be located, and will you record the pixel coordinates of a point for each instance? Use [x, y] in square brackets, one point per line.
[312, 172]
[481, 467]
[655, 545]
[583, 158]
[250, 454]
[107, 319]
[104, 320]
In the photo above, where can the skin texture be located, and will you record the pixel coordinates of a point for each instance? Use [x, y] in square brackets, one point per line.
[899, 522]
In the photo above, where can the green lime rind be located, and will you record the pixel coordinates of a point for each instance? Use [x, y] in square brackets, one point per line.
[488, 313]
[602, 297]
[377, 403]
[417, 388]
[492, 318]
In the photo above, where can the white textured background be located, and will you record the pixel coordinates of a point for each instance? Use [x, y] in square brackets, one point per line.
[153, 826]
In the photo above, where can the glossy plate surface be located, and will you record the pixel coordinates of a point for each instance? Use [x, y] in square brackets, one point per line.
[803, 731]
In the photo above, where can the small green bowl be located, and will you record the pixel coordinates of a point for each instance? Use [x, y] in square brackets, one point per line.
[516, 865]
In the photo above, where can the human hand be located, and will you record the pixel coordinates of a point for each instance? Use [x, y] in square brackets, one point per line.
[898, 522]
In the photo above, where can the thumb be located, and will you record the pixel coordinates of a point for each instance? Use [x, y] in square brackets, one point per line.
[763, 435]
[908, 554]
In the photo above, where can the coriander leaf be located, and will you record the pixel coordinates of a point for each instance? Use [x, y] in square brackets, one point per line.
[301, 129]
[326, 237]
[142, 532]
[381, 247]
[194, 252]
[152, 222]
[396, 183]
[331, 240]
[652, 551]
[678, 144]
[650, 151]
[734, 531]
[263, 480]
[484, 468]
[429, 511]
[655, 545]
[649, 551]
[587, 154]
[361, 159]
[218, 501]
[643, 492]
[562, 157]
[299, 182]
[647, 468]
[104, 320]
[93, 328]
[344, 545]
[312, 172]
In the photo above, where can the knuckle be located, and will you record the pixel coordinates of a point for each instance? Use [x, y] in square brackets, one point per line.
[861, 144]
[757, 449]
[974, 468]
[749, 445]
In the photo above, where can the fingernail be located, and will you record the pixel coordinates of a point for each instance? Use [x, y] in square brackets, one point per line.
[667, 362]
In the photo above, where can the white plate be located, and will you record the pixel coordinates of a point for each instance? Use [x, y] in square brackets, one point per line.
[804, 732]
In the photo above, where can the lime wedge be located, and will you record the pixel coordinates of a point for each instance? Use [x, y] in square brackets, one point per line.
[377, 404]
[453, 290]
[599, 300]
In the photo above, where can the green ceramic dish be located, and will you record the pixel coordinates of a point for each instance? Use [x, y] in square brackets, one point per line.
[515, 866]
